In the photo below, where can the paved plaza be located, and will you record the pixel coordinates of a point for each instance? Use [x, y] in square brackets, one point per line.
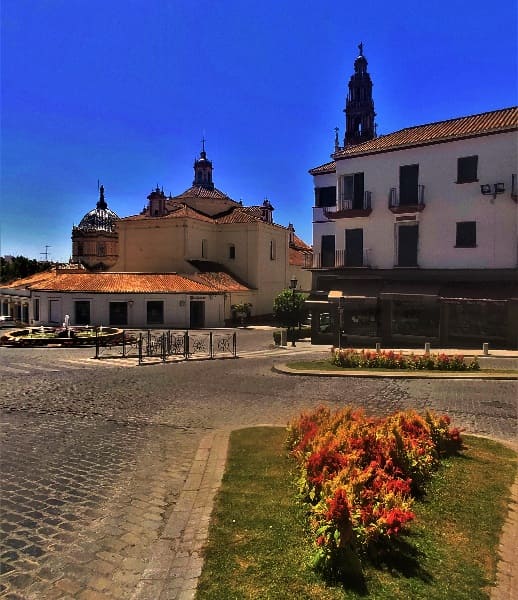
[108, 469]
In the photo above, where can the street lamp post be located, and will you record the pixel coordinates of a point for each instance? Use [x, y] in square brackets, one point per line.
[293, 287]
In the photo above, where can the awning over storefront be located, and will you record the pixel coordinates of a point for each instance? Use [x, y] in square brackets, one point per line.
[316, 299]
[409, 290]
[479, 292]
[355, 290]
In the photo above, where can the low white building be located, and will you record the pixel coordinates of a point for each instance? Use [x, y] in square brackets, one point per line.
[128, 300]
[415, 236]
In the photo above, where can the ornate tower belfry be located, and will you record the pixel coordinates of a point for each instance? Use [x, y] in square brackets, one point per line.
[359, 106]
[203, 170]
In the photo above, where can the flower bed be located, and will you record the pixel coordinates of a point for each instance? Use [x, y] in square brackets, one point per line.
[360, 477]
[72, 336]
[388, 359]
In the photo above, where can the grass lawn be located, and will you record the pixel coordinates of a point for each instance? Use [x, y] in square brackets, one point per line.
[259, 548]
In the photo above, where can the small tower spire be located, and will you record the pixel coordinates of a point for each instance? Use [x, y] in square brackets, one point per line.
[101, 204]
[337, 143]
[203, 169]
[359, 105]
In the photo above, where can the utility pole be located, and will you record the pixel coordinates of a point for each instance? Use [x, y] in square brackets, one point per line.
[46, 253]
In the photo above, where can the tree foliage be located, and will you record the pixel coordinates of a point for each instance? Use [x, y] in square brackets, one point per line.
[289, 309]
[20, 266]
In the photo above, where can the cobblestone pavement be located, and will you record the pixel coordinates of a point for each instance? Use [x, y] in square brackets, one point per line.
[94, 456]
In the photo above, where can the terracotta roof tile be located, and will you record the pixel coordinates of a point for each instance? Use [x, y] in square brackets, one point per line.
[497, 121]
[220, 281]
[329, 167]
[238, 216]
[126, 283]
[197, 191]
[300, 244]
[178, 211]
[31, 280]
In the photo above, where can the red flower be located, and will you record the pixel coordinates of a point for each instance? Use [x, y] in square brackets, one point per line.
[396, 519]
[339, 512]
[323, 463]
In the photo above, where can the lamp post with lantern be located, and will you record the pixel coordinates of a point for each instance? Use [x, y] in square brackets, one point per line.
[293, 287]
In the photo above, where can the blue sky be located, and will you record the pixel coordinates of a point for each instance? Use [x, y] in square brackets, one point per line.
[123, 92]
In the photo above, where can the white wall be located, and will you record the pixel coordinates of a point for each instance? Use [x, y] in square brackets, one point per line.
[446, 204]
[176, 308]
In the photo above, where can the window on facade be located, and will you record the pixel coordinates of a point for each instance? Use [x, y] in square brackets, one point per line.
[101, 249]
[466, 234]
[272, 250]
[350, 191]
[232, 252]
[82, 312]
[118, 313]
[407, 244]
[155, 312]
[467, 169]
[36, 306]
[325, 196]
[328, 251]
[354, 247]
[408, 184]
[54, 311]
[204, 248]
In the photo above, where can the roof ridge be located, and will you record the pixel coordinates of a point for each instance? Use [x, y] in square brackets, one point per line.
[461, 118]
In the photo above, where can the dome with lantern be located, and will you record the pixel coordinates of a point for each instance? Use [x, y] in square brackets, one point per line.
[101, 218]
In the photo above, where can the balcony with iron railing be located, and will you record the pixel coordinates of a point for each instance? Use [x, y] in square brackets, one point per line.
[349, 208]
[339, 260]
[406, 204]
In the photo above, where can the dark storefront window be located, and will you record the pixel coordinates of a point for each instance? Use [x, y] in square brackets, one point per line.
[415, 318]
[361, 321]
[325, 323]
[478, 320]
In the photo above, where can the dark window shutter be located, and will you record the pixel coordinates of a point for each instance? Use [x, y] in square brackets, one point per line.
[467, 169]
[466, 234]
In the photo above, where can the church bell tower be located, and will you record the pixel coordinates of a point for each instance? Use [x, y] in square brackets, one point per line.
[359, 106]
[203, 170]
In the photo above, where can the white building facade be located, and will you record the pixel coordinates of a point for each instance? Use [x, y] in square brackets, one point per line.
[415, 236]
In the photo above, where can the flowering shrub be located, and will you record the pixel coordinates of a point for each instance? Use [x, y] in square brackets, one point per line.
[360, 475]
[388, 359]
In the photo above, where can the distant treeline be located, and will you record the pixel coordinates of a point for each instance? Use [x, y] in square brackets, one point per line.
[20, 266]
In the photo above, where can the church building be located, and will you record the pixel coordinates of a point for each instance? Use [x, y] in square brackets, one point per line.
[183, 262]
[415, 233]
[203, 230]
